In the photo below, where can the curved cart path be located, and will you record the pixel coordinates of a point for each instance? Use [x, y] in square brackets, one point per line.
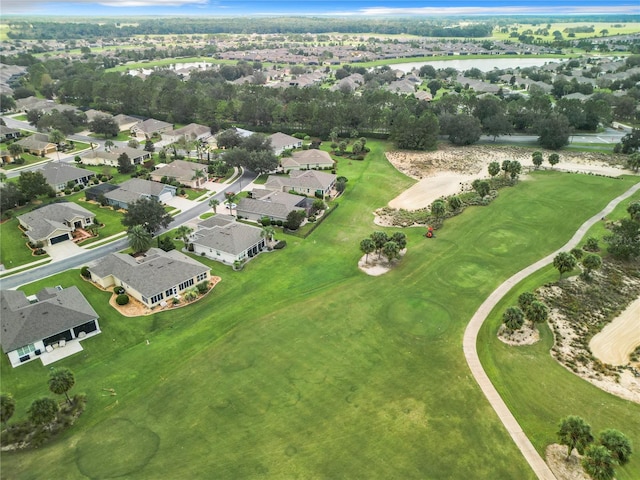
[470, 339]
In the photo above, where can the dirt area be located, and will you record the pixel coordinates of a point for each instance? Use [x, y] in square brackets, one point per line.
[135, 308]
[376, 265]
[562, 467]
[578, 310]
[527, 335]
[615, 343]
[450, 169]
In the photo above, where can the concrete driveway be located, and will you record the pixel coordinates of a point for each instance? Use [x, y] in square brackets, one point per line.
[181, 203]
[63, 250]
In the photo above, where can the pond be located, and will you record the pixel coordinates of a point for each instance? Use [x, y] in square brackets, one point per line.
[482, 64]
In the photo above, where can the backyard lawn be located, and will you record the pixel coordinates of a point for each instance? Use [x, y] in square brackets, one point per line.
[301, 366]
[14, 251]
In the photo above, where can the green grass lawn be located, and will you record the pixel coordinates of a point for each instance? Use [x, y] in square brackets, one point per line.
[14, 251]
[29, 160]
[301, 366]
[537, 411]
[121, 137]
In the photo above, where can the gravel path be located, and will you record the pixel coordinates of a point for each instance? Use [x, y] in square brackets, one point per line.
[470, 339]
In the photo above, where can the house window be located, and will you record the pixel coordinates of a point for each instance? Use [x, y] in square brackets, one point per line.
[185, 285]
[87, 221]
[157, 298]
[26, 350]
[171, 292]
[202, 276]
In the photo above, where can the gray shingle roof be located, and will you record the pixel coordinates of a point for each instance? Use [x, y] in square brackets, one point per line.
[270, 203]
[56, 311]
[281, 140]
[233, 238]
[45, 220]
[58, 173]
[156, 272]
[311, 179]
[313, 157]
[218, 220]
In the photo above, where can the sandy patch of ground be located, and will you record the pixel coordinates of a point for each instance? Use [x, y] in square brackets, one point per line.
[562, 467]
[617, 340]
[376, 266]
[527, 335]
[451, 169]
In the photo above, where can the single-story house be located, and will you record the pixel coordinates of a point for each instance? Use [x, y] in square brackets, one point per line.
[92, 114]
[7, 133]
[55, 223]
[59, 175]
[137, 188]
[193, 131]
[150, 127]
[274, 204]
[31, 326]
[37, 144]
[224, 239]
[103, 157]
[308, 182]
[281, 142]
[97, 192]
[184, 172]
[307, 160]
[125, 122]
[154, 278]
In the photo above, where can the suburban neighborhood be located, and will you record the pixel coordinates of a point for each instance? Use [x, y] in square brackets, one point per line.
[321, 246]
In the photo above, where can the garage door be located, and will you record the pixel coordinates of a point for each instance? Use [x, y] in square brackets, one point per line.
[60, 238]
[165, 197]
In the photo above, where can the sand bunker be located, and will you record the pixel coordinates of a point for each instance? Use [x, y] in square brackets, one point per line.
[449, 169]
[618, 339]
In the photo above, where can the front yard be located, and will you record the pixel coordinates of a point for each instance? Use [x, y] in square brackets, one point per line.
[13, 245]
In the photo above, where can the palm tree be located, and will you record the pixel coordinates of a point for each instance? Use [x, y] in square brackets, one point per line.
[108, 145]
[268, 232]
[367, 246]
[213, 203]
[60, 382]
[183, 232]
[57, 137]
[198, 174]
[139, 238]
[230, 200]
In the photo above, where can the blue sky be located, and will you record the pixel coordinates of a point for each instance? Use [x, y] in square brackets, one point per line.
[316, 7]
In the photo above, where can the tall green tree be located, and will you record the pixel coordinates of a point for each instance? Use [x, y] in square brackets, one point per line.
[553, 159]
[213, 203]
[537, 159]
[624, 239]
[140, 239]
[574, 432]
[554, 131]
[15, 150]
[400, 238]
[537, 312]
[43, 411]
[147, 212]
[367, 246]
[564, 262]
[379, 239]
[61, 380]
[104, 125]
[634, 210]
[7, 408]
[591, 262]
[513, 318]
[33, 184]
[617, 443]
[525, 299]
[124, 163]
[599, 463]
[391, 250]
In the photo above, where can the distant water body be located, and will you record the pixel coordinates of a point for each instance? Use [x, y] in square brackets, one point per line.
[482, 64]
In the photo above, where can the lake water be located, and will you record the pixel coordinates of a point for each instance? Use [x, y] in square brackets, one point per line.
[482, 64]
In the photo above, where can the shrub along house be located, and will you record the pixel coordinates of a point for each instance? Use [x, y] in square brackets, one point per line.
[224, 239]
[152, 279]
[55, 223]
[34, 325]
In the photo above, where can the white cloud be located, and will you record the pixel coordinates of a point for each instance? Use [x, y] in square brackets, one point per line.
[150, 3]
[444, 11]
